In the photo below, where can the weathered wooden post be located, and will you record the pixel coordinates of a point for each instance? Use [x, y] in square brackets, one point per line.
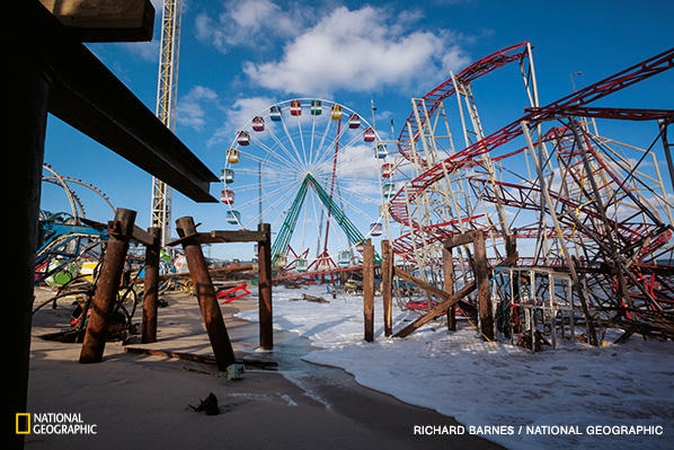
[387, 285]
[107, 286]
[368, 290]
[264, 288]
[448, 285]
[483, 294]
[151, 288]
[210, 309]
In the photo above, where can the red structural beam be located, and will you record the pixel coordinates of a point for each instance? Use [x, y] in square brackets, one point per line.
[632, 75]
[437, 95]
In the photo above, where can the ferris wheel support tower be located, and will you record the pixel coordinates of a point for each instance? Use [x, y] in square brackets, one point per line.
[166, 101]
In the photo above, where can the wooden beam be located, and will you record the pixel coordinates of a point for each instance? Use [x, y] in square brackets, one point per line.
[265, 306]
[368, 290]
[462, 239]
[482, 274]
[439, 309]
[448, 285]
[418, 282]
[387, 265]
[448, 300]
[104, 20]
[208, 303]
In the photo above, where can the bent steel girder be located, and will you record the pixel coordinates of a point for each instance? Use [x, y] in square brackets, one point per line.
[432, 101]
[536, 116]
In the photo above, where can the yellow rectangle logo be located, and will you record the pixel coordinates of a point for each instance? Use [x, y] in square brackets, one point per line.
[22, 423]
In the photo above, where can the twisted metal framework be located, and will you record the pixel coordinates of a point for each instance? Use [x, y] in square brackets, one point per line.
[584, 208]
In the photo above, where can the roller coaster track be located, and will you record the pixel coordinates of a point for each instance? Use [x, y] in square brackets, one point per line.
[572, 104]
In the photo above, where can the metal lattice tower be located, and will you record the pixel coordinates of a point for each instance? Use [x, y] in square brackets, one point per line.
[166, 101]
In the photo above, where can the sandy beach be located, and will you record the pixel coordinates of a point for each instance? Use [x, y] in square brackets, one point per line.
[138, 400]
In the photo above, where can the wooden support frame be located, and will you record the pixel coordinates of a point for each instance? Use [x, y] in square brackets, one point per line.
[482, 271]
[105, 21]
[263, 238]
[210, 309]
[447, 300]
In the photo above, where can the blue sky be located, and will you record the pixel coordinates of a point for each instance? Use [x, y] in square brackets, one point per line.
[239, 57]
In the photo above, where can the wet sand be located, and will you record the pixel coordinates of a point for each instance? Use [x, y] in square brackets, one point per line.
[146, 401]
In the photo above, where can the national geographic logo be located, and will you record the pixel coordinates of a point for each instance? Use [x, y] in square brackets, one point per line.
[51, 423]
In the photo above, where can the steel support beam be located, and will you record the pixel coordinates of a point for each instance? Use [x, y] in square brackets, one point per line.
[46, 69]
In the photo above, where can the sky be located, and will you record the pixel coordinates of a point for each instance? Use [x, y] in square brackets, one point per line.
[237, 58]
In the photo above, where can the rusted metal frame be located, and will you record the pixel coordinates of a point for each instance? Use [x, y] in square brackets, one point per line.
[537, 115]
[208, 303]
[637, 114]
[547, 200]
[643, 209]
[107, 286]
[667, 146]
[613, 255]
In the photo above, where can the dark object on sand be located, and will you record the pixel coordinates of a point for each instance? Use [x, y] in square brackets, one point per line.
[209, 405]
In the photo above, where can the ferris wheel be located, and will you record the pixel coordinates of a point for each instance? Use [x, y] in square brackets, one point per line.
[318, 172]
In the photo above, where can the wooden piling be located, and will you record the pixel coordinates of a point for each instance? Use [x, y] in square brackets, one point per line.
[448, 285]
[264, 288]
[483, 294]
[151, 288]
[387, 285]
[368, 290]
[120, 231]
[201, 279]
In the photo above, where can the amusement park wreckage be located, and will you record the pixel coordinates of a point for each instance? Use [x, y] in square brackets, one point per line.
[577, 226]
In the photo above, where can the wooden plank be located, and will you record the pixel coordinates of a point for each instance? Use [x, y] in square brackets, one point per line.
[421, 284]
[387, 285]
[448, 285]
[219, 236]
[265, 305]
[105, 21]
[482, 274]
[368, 290]
[461, 239]
[439, 309]
[448, 299]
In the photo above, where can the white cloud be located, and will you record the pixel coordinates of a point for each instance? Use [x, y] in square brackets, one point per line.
[243, 110]
[358, 50]
[252, 23]
[190, 107]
